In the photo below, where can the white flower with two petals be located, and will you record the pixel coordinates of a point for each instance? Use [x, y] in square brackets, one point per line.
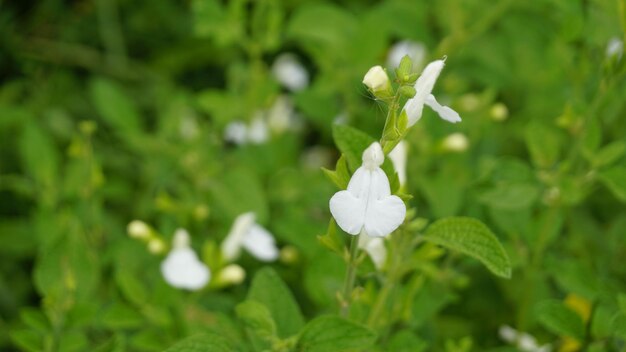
[367, 205]
[240, 133]
[423, 88]
[182, 268]
[247, 234]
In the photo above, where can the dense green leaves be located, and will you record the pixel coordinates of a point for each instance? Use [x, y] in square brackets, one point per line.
[203, 343]
[471, 237]
[615, 180]
[351, 142]
[561, 320]
[269, 290]
[334, 334]
[115, 107]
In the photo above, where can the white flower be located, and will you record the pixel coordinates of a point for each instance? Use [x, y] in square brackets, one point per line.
[290, 72]
[247, 234]
[423, 88]
[257, 132]
[281, 116]
[398, 159]
[615, 47]
[376, 79]
[240, 133]
[138, 229]
[236, 132]
[523, 341]
[456, 142]
[499, 112]
[367, 204]
[375, 248]
[415, 50]
[182, 268]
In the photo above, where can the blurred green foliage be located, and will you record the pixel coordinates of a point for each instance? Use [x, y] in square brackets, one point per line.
[115, 110]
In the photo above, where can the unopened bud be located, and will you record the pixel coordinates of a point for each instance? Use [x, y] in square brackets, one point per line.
[456, 142]
[376, 80]
[499, 112]
[156, 246]
[289, 254]
[138, 229]
[232, 274]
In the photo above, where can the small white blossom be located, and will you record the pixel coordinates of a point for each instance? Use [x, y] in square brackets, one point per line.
[415, 50]
[290, 72]
[367, 204]
[375, 248]
[236, 132]
[182, 268]
[258, 132]
[456, 142]
[423, 88]
[523, 341]
[281, 116]
[255, 239]
[615, 48]
[138, 229]
[398, 157]
[376, 79]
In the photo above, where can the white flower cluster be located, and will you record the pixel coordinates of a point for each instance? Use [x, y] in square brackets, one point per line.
[182, 268]
[523, 341]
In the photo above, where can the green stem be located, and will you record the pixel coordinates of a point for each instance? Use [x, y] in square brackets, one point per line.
[350, 276]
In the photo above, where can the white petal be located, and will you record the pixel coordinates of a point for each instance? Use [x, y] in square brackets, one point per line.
[423, 87]
[260, 243]
[281, 115]
[415, 50]
[231, 246]
[348, 207]
[290, 72]
[236, 132]
[375, 248]
[444, 112]
[507, 333]
[398, 159]
[181, 239]
[384, 212]
[373, 156]
[182, 269]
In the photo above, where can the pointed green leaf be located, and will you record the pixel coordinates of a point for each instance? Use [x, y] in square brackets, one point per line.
[114, 106]
[615, 180]
[257, 318]
[269, 289]
[559, 319]
[334, 334]
[471, 237]
[351, 142]
[340, 176]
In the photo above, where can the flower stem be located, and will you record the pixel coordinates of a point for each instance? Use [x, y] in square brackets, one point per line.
[350, 276]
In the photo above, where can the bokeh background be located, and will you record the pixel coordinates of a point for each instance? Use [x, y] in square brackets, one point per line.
[115, 110]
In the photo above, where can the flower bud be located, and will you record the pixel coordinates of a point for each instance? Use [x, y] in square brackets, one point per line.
[138, 229]
[615, 48]
[289, 254]
[156, 246]
[232, 274]
[377, 81]
[499, 112]
[456, 142]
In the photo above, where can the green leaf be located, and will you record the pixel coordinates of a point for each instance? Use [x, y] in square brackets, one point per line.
[351, 142]
[341, 176]
[331, 240]
[615, 180]
[203, 343]
[334, 334]
[609, 154]
[543, 143]
[39, 154]
[269, 289]
[559, 319]
[510, 196]
[471, 237]
[27, 340]
[115, 107]
[257, 318]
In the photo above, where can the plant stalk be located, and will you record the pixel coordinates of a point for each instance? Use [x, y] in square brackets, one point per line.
[350, 276]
